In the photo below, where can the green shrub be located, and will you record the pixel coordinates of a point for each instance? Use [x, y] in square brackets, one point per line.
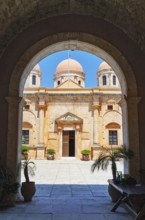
[24, 149]
[51, 151]
[85, 152]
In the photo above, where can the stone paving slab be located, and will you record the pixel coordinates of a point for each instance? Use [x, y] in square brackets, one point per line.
[30, 216]
[117, 216]
[67, 190]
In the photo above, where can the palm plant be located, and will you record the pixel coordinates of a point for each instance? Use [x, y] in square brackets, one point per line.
[107, 155]
[29, 168]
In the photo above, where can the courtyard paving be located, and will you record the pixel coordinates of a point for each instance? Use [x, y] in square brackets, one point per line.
[68, 190]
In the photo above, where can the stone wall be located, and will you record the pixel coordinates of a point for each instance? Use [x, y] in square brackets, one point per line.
[59, 106]
[119, 13]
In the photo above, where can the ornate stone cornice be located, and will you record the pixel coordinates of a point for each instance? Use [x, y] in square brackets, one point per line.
[71, 97]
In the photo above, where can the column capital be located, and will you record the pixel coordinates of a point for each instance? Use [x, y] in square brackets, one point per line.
[42, 106]
[133, 100]
[78, 127]
[96, 106]
[12, 100]
[129, 100]
[59, 128]
[122, 101]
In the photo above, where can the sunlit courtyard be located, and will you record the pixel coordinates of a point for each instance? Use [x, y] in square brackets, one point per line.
[70, 171]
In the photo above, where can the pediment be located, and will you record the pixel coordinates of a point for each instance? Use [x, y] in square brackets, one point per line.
[69, 84]
[69, 117]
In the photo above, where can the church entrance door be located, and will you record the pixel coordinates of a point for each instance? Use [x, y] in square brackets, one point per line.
[68, 144]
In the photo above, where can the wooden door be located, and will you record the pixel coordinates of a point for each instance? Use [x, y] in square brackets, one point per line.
[65, 144]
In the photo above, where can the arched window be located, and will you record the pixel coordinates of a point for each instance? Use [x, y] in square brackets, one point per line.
[104, 80]
[113, 133]
[58, 83]
[79, 82]
[114, 80]
[113, 125]
[33, 80]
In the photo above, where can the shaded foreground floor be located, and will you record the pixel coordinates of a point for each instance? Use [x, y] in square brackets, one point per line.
[67, 190]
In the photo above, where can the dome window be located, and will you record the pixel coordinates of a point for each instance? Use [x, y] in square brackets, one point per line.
[114, 80]
[58, 83]
[79, 82]
[33, 80]
[104, 80]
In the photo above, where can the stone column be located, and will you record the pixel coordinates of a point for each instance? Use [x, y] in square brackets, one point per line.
[42, 109]
[59, 141]
[77, 146]
[96, 108]
[130, 133]
[132, 104]
[123, 105]
[109, 79]
[14, 136]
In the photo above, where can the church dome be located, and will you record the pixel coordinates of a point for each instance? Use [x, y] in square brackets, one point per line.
[69, 65]
[103, 66]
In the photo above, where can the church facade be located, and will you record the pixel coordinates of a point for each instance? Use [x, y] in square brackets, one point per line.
[70, 117]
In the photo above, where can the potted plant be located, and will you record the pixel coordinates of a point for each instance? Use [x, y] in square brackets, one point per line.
[111, 154]
[28, 187]
[85, 154]
[50, 154]
[128, 180]
[8, 187]
[24, 150]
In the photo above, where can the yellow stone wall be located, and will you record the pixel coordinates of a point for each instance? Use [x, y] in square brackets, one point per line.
[79, 103]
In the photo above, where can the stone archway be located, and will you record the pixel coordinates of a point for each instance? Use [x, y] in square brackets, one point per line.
[36, 49]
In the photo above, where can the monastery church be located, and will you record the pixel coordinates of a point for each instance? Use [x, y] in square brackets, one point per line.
[70, 117]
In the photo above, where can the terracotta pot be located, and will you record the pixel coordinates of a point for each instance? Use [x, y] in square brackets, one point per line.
[50, 157]
[24, 156]
[85, 157]
[28, 190]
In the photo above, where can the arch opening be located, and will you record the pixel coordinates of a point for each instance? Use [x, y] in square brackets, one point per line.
[83, 45]
[73, 45]
[23, 67]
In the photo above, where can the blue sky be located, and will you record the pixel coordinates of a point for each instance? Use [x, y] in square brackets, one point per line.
[89, 62]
